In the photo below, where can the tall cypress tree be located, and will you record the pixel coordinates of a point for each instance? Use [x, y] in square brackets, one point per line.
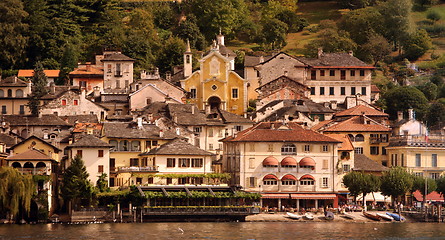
[39, 82]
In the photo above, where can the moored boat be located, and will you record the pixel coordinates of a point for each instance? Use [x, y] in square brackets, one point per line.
[348, 216]
[309, 216]
[385, 217]
[294, 216]
[372, 216]
[396, 216]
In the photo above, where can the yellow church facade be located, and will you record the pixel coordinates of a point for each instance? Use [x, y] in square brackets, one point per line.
[215, 84]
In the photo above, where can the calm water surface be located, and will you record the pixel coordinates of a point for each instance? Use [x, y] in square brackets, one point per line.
[248, 230]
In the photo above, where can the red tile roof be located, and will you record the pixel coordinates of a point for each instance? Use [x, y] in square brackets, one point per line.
[277, 132]
[355, 124]
[30, 73]
[83, 70]
[346, 144]
[374, 89]
[361, 110]
[433, 196]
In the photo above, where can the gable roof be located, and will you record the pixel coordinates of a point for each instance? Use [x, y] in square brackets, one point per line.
[8, 140]
[300, 63]
[346, 144]
[30, 73]
[86, 118]
[361, 110]
[89, 141]
[116, 56]
[251, 61]
[279, 132]
[363, 163]
[131, 131]
[178, 147]
[286, 79]
[12, 81]
[335, 60]
[56, 149]
[92, 71]
[352, 124]
[29, 120]
[31, 154]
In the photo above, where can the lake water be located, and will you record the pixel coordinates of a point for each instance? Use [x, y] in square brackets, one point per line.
[244, 230]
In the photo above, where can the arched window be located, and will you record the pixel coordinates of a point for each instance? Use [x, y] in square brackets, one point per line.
[2, 93]
[114, 145]
[135, 146]
[288, 179]
[351, 137]
[359, 138]
[288, 149]
[307, 180]
[123, 145]
[16, 165]
[19, 93]
[9, 93]
[270, 179]
[270, 162]
[40, 165]
[24, 133]
[289, 162]
[28, 165]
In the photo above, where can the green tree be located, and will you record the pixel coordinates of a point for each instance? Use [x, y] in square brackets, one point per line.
[430, 90]
[398, 24]
[274, 33]
[371, 183]
[404, 98]
[354, 181]
[434, 16]
[396, 182]
[441, 185]
[362, 24]
[76, 188]
[419, 184]
[13, 40]
[102, 183]
[375, 50]
[68, 63]
[16, 191]
[171, 54]
[293, 21]
[331, 40]
[436, 115]
[188, 29]
[417, 44]
[39, 82]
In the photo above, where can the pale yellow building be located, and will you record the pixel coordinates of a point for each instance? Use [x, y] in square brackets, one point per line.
[14, 95]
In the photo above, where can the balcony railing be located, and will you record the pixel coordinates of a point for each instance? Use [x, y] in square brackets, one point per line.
[138, 169]
[418, 140]
[34, 171]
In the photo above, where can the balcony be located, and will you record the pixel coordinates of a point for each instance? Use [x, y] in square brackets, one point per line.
[138, 169]
[375, 140]
[418, 141]
[34, 171]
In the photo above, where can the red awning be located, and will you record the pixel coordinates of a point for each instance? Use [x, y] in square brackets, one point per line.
[289, 177]
[299, 195]
[270, 161]
[307, 176]
[288, 161]
[307, 161]
[434, 196]
[270, 176]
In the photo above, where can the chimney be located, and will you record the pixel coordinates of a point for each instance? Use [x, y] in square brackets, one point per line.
[143, 74]
[161, 133]
[52, 88]
[399, 116]
[178, 131]
[193, 109]
[96, 91]
[83, 93]
[168, 76]
[220, 38]
[351, 53]
[411, 114]
[320, 52]
[139, 119]
[207, 109]
[333, 104]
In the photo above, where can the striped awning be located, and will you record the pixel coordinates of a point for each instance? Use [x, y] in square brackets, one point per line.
[299, 195]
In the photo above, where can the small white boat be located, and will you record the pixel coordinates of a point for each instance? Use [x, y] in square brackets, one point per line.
[294, 216]
[309, 216]
[385, 217]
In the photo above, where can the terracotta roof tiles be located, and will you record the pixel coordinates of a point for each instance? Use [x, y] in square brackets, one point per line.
[361, 110]
[30, 73]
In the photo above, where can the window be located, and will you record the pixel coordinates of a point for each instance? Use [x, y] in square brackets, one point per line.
[383, 151]
[353, 91]
[352, 73]
[197, 162]
[359, 138]
[211, 146]
[270, 148]
[193, 93]
[251, 163]
[235, 93]
[418, 160]
[144, 162]
[109, 68]
[288, 182]
[332, 73]
[112, 164]
[123, 145]
[269, 182]
[374, 150]
[434, 160]
[100, 153]
[100, 168]
[197, 129]
[362, 73]
[114, 145]
[313, 75]
[358, 150]
[324, 148]
[134, 162]
[63, 102]
[307, 182]
[184, 162]
[418, 174]
[19, 93]
[342, 74]
[322, 73]
[312, 90]
[307, 148]
[83, 84]
[321, 90]
[364, 91]
[252, 181]
[331, 91]
[22, 109]
[169, 181]
[288, 149]
[402, 158]
[127, 83]
[325, 164]
[324, 182]
[135, 146]
[343, 91]
[238, 128]
[171, 162]
[346, 168]
[76, 102]
[118, 84]
[2, 93]
[434, 175]
[79, 153]
[210, 132]
[252, 147]
[9, 93]
[118, 72]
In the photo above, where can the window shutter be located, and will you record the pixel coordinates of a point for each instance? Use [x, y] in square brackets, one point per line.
[321, 182]
[247, 182]
[255, 182]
